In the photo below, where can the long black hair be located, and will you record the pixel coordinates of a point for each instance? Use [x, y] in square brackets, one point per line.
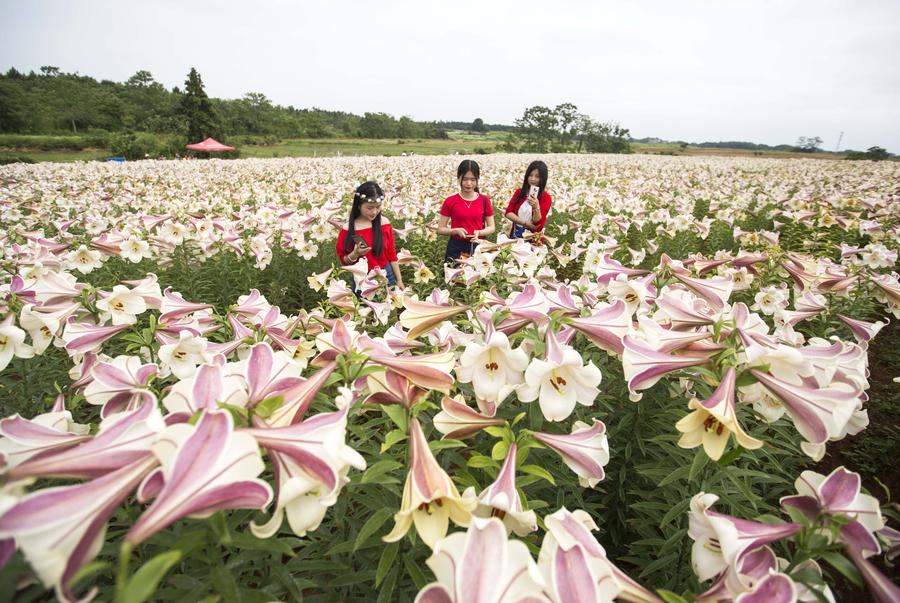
[469, 166]
[365, 193]
[541, 167]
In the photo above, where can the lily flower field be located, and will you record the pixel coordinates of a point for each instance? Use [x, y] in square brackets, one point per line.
[642, 406]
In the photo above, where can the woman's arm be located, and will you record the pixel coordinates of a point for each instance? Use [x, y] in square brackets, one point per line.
[445, 230]
[535, 210]
[395, 266]
[488, 229]
[517, 220]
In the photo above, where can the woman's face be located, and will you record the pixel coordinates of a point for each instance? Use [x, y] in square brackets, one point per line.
[468, 182]
[369, 211]
[534, 178]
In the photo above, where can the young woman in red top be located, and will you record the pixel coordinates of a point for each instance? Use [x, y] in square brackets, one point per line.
[367, 235]
[467, 215]
[527, 211]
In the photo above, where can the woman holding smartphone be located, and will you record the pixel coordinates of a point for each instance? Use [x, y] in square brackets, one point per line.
[368, 235]
[529, 206]
[466, 216]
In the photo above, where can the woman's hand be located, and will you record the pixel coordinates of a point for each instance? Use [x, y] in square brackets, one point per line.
[459, 232]
[359, 250]
[533, 201]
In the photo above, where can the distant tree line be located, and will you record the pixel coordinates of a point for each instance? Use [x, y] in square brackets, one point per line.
[477, 125]
[53, 102]
[563, 129]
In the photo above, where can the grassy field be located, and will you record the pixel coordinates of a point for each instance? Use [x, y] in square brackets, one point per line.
[461, 142]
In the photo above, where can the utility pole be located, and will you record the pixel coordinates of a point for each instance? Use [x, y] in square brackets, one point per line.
[837, 147]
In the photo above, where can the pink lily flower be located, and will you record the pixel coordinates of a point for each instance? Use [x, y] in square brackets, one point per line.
[562, 299]
[61, 529]
[684, 310]
[704, 266]
[82, 337]
[122, 439]
[18, 288]
[57, 288]
[608, 269]
[212, 384]
[458, 420]
[173, 306]
[817, 412]
[398, 339]
[81, 374]
[482, 565]
[387, 387]
[23, 439]
[492, 367]
[643, 366]
[148, 289]
[297, 399]
[750, 327]
[887, 286]
[250, 305]
[428, 371]
[803, 280]
[120, 385]
[501, 500]
[668, 340]
[204, 468]
[838, 495]
[560, 381]
[527, 304]
[577, 565]
[721, 541]
[269, 374]
[715, 290]
[880, 586]
[311, 462]
[606, 327]
[420, 317]
[585, 451]
[862, 330]
[430, 499]
[342, 339]
[773, 588]
[743, 577]
[714, 420]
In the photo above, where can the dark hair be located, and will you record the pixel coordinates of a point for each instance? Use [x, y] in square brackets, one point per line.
[365, 193]
[541, 167]
[469, 166]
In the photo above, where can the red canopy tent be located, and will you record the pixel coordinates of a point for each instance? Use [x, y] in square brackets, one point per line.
[210, 144]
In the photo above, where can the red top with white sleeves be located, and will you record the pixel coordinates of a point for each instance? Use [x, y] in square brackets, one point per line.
[544, 203]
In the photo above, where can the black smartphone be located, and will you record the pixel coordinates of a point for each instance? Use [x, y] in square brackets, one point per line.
[358, 240]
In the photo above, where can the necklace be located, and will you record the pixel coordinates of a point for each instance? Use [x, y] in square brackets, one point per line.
[467, 202]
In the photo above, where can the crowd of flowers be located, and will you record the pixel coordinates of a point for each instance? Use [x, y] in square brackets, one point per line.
[743, 294]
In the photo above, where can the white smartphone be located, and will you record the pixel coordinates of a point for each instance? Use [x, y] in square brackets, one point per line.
[534, 191]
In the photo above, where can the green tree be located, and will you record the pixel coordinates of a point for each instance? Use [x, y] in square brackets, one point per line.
[536, 129]
[477, 125]
[202, 119]
[567, 123]
[809, 144]
[606, 138]
[378, 125]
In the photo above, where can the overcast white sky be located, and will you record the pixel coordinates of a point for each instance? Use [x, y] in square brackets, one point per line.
[765, 71]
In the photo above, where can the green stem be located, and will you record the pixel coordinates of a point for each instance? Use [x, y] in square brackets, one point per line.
[122, 577]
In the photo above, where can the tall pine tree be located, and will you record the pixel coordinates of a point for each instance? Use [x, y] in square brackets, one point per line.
[202, 119]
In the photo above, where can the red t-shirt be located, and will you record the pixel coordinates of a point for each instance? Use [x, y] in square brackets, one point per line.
[388, 252]
[544, 203]
[471, 215]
